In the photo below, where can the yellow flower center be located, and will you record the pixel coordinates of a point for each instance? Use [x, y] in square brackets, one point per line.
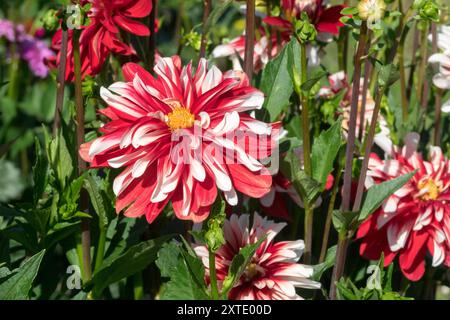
[432, 190]
[180, 117]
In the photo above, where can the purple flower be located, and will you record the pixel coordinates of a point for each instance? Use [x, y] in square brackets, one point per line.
[31, 49]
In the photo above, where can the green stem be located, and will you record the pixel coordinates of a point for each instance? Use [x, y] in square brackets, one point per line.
[249, 38]
[305, 112]
[326, 231]
[308, 234]
[308, 223]
[84, 202]
[353, 115]
[338, 270]
[423, 62]
[138, 290]
[368, 146]
[152, 38]
[401, 62]
[60, 83]
[100, 249]
[206, 10]
[213, 276]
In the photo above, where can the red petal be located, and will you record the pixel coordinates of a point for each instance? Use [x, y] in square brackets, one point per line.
[140, 9]
[254, 185]
[130, 69]
[131, 26]
[277, 22]
[329, 20]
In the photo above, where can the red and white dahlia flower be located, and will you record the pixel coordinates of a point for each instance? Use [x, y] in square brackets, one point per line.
[442, 78]
[102, 36]
[415, 220]
[180, 137]
[273, 273]
[325, 19]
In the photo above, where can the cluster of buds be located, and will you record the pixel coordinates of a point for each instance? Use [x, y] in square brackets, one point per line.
[427, 9]
[73, 17]
[304, 29]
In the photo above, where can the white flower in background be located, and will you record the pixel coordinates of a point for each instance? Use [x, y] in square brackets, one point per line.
[371, 10]
[442, 78]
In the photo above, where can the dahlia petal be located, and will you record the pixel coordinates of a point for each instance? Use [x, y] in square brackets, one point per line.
[229, 123]
[253, 185]
[131, 26]
[397, 235]
[212, 79]
[138, 9]
[231, 197]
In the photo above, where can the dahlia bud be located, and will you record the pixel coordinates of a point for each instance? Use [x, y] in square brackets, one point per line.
[89, 86]
[214, 237]
[371, 10]
[427, 9]
[50, 20]
[305, 30]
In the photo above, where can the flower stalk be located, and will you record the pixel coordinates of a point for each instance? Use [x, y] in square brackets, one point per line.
[152, 38]
[327, 228]
[438, 94]
[353, 114]
[368, 146]
[249, 39]
[213, 275]
[423, 64]
[84, 202]
[206, 10]
[61, 82]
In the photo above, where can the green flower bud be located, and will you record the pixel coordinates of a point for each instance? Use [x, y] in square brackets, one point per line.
[50, 20]
[214, 237]
[89, 86]
[305, 30]
[429, 11]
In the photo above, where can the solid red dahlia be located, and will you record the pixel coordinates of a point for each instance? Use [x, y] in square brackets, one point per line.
[180, 137]
[415, 220]
[102, 36]
[273, 273]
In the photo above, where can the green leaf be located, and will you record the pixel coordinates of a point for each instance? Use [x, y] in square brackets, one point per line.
[324, 152]
[60, 160]
[18, 286]
[349, 11]
[40, 175]
[313, 79]
[344, 221]
[168, 257]
[320, 268]
[380, 192]
[97, 200]
[388, 75]
[238, 265]
[307, 188]
[276, 83]
[186, 273]
[132, 261]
